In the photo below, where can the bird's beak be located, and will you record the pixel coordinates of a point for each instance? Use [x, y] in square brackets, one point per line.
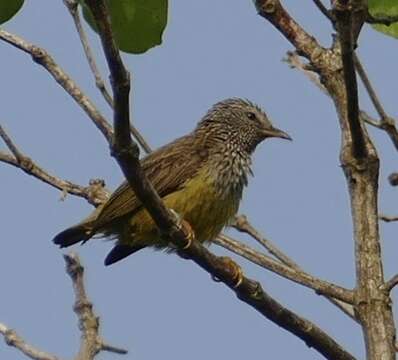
[274, 132]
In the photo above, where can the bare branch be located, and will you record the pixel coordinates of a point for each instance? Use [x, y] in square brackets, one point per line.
[242, 224]
[390, 284]
[263, 260]
[387, 218]
[386, 122]
[95, 193]
[41, 57]
[274, 12]
[293, 59]
[13, 339]
[72, 6]
[10, 144]
[322, 8]
[345, 23]
[126, 153]
[91, 342]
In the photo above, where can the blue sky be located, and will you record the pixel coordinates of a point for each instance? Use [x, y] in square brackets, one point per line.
[154, 304]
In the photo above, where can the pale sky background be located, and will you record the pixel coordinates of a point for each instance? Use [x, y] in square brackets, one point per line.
[158, 305]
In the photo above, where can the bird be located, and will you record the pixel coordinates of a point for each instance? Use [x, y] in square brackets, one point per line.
[200, 176]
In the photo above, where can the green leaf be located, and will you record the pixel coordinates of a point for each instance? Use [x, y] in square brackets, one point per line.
[8, 8]
[385, 8]
[137, 25]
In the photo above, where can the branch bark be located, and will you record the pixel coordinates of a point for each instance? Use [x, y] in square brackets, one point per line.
[13, 339]
[358, 157]
[95, 193]
[126, 153]
[44, 59]
[91, 342]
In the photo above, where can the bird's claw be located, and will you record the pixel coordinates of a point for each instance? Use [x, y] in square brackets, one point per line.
[186, 227]
[235, 269]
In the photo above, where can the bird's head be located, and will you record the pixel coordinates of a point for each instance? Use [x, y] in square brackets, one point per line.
[240, 122]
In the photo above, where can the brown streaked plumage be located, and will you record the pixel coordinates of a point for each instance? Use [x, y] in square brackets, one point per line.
[201, 176]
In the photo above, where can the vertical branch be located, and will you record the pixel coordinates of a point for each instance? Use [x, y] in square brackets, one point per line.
[358, 157]
[344, 23]
[361, 167]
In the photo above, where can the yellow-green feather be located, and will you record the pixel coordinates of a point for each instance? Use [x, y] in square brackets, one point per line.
[197, 202]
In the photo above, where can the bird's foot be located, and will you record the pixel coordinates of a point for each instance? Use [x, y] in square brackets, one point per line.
[186, 228]
[233, 268]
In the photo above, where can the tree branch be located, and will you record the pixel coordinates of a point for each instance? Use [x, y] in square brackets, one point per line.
[322, 8]
[390, 284]
[95, 193]
[264, 261]
[41, 57]
[358, 157]
[242, 224]
[386, 123]
[72, 6]
[345, 23]
[387, 218]
[13, 339]
[275, 13]
[91, 342]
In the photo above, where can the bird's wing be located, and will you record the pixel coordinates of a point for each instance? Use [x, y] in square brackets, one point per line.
[167, 168]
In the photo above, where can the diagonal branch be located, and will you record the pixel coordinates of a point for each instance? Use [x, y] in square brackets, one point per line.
[276, 14]
[41, 57]
[386, 123]
[72, 6]
[95, 193]
[242, 224]
[322, 8]
[13, 339]
[264, 261]
[126, 153]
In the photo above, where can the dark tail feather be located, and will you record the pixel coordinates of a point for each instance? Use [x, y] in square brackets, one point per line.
[73, 235]
[120, 251]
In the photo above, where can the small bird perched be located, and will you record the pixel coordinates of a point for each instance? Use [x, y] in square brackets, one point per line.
[200, 176]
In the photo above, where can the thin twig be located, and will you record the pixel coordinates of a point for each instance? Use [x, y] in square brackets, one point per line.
[386, 123]
[13, 339]
[324, 10]
[263, 260]
[72, 6]
[10, 144]
[95, 193]
[369, 120]
[388, 218]
[91, 342]
[41, 57]
[390, 284]
[242, 224]
[295, 62]
[369, 88]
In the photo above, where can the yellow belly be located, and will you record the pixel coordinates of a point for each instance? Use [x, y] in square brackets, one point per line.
[197, 202]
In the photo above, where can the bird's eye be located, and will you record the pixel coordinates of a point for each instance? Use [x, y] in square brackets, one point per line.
[251, 115]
